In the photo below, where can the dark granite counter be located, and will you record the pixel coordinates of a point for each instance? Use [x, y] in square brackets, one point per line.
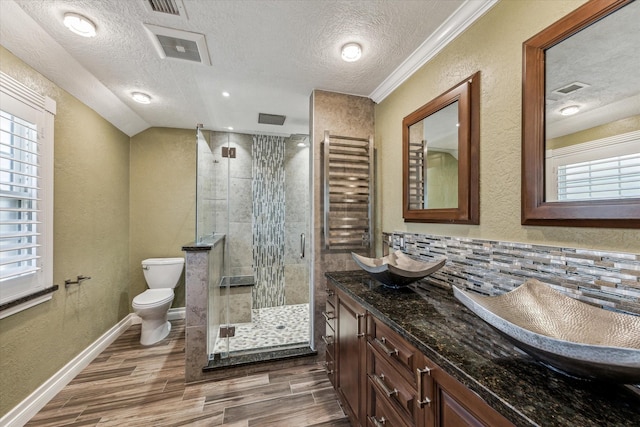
[524, 391]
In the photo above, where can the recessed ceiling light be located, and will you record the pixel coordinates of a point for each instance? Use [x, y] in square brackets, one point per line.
[79, 24]
[570, 110]
[351, 52]
[140, 97]
[230, 127]
[226, 94]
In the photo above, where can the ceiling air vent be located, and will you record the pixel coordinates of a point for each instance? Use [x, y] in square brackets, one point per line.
[570, 88]
[177, 44]
[271, 119]
[169, 7]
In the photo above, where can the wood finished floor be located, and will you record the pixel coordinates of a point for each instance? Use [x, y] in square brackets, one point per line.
[132, 385]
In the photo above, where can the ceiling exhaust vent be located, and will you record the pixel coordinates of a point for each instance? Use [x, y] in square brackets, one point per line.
[177, 44]
[271, 119]
[169, 7]
[570, 88]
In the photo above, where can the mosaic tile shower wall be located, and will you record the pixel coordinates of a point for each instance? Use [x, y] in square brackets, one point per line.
[268, 223]
[607, 279]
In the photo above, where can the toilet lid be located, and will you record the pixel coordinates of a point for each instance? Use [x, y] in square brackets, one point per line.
[153, 297]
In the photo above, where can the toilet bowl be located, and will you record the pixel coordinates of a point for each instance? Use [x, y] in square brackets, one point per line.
[152, 306]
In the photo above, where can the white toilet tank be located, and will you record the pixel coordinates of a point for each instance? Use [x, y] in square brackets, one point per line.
[162, 272]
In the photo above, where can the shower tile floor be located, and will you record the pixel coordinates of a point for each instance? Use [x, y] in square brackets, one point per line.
[271, 327]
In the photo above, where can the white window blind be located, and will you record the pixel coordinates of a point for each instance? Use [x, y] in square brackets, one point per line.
[607, 168]
[611, 178]
[26, 191]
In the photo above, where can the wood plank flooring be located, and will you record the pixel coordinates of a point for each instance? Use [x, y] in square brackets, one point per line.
[132, 385]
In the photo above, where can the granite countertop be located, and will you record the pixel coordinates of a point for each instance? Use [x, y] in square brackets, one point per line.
[464, 346]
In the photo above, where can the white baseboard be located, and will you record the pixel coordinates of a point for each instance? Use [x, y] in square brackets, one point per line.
[177, 313]
[30, 406]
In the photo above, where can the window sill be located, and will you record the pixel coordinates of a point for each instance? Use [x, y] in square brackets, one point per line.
[13, 307]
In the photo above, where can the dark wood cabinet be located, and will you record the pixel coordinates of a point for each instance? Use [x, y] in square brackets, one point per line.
[350, 356]
[456, 405]
[383, 380]
[329, 337]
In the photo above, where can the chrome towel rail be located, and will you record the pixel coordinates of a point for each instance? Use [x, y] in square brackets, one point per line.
[348, 191]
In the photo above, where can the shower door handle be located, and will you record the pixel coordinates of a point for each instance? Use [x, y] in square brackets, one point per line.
[302, 245]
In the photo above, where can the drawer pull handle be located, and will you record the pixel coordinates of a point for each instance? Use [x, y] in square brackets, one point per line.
[330, 293]
[327, 315]
[326, 368]
[422, 400]
[328, 340]
[382, 343]
[383, 386]
[359, 316]
[378, 423]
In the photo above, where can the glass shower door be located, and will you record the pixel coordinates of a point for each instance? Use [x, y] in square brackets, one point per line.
[210, 190]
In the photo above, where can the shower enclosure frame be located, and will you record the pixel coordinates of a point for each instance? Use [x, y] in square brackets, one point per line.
[222, 292]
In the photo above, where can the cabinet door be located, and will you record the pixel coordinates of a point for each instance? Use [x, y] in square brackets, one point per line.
[456, 405]
[350, 354]
[453, 413]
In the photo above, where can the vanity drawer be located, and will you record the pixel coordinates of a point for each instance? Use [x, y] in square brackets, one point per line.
[380, 412]
[329, 339]
[389, 384]
[331, 294]
[395, 350]
[330, 367]
[329, 315]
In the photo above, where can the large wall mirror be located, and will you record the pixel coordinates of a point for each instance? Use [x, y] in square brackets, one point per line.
[581, 119]
[440, 163]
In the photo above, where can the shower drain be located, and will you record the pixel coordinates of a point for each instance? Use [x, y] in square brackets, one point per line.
[280, 327]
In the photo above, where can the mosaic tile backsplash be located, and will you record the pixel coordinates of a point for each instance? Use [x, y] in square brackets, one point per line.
[268, 198]
[606, 279]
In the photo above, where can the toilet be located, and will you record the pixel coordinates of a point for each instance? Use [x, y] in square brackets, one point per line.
[152, 305]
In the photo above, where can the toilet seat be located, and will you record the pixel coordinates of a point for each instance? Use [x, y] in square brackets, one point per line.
[153, 297]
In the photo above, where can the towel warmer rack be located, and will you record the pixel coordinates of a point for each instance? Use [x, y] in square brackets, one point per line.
[348, 191]
[417, 152]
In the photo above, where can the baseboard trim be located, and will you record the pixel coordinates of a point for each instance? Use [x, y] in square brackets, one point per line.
[30, 406]
[178, 313]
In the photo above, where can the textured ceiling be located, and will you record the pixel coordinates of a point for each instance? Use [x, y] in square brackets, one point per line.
[269, 55]
[606, 57]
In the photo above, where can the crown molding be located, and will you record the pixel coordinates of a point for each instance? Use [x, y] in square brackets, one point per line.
[459, 21]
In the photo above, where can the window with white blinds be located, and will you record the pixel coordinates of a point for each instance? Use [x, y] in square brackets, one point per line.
[610, 178]
[26, 191]
[607, 168]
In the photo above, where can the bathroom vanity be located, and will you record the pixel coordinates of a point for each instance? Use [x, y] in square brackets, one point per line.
[417, 357]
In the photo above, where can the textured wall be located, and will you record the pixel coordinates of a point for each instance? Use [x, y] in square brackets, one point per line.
[344, 115]
[91, 237]
[492, 45]
[163, 195]
[442, 180]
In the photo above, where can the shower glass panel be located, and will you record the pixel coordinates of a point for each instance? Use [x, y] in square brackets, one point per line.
[263, 208]
[204, 189]
[211, 188]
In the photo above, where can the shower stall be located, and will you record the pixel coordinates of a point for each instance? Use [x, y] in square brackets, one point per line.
[253, 199]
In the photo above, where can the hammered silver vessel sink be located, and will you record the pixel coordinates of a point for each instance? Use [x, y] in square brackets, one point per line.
[563, 333]
[397, 269]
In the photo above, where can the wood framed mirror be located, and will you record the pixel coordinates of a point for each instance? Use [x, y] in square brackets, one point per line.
[440, 157]
[587, 61]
